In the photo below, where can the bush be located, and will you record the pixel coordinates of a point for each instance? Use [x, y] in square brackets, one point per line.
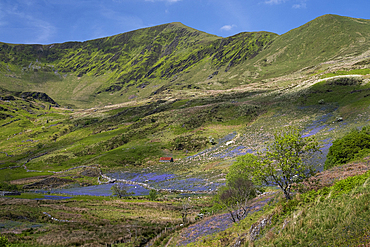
[248, 110]
[236, 197]
[354, 144]
[347, 185]
[3, 241]
[239, 189]
[8, 187]
[189, 142]
[153, 195]
[345, 81]
[121, 190]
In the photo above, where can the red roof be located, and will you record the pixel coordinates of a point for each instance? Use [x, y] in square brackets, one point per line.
[165, 158]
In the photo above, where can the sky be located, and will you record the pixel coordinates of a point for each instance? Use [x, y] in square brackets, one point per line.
[58, 21]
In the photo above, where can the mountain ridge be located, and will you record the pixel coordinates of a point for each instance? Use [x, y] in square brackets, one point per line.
[173, 56]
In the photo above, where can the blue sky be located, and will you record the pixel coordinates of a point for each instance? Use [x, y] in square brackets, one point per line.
[57, 21]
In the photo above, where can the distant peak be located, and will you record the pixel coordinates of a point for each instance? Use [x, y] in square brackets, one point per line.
[181, 25]
[338, 17]
[177, 23]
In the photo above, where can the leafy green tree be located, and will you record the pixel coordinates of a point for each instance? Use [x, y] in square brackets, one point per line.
[153, 195]
[284, 161]
[121, 190]
[239, 169]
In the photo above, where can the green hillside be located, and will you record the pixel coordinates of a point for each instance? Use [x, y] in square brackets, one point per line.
[145, 62]
[154, 56]
[327, 38]
[79, 117]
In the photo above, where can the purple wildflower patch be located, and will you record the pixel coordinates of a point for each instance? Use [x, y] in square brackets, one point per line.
[168, 181]
[101, 190]
[320, 123]
[315, 130]
[319, 160]
[214, 224]
[142, 177]
[317, 125]
[49, 197]
[233, 152]
[192, 184]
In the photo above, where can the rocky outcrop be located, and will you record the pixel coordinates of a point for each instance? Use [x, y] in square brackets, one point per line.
[37, 95]
[7, 97]
[257, 227]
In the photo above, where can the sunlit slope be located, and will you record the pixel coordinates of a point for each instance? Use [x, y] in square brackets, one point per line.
[125, 57]
[172, 57]
[155, 55]
[326, 38]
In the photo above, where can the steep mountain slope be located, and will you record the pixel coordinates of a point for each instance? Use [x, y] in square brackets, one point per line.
[327, 38]
[164, 60]
[134, 58]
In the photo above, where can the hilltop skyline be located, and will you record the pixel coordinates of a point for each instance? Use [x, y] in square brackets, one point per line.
[52, 21]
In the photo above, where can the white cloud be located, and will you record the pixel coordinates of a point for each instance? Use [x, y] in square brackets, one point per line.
[272, 2]
[300, 5]
[41, 29]
[227, 27]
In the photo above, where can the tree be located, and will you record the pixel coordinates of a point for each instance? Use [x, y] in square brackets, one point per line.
[121, 190]
[285, 160]
[153, 195]
[239, 189]
[236, 196]
[238, 169]
[185, 210]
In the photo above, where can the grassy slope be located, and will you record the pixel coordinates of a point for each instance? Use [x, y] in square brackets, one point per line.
[107, 135]
[335, 215]
[156, 126]
[123, 64]
[326, 38]
[134, 65]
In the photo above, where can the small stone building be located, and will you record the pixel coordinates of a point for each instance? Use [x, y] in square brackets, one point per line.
[165, 159]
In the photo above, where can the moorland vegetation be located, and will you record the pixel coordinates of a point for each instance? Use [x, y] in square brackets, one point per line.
[82, 121]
